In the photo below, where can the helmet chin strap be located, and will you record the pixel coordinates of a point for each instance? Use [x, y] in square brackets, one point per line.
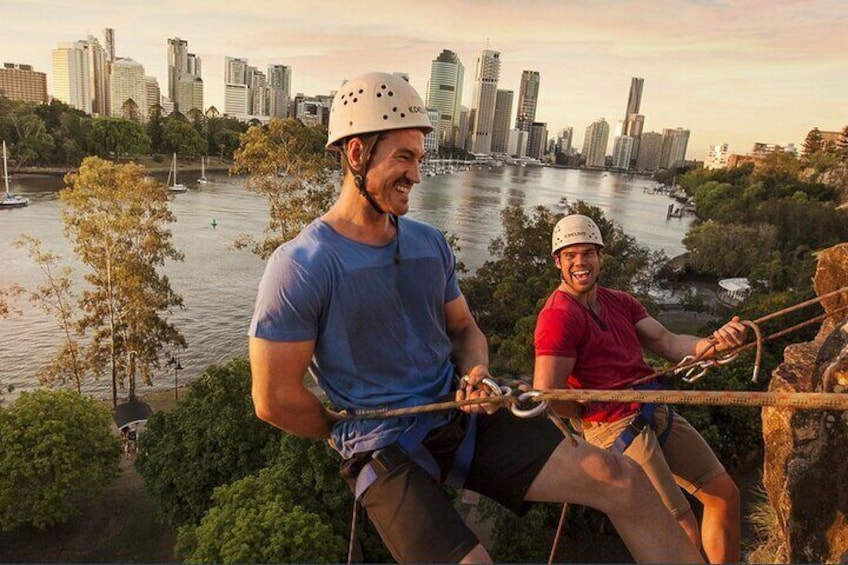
[359, 173]
[361, 185]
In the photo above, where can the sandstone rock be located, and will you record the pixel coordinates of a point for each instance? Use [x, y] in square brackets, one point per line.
[805, 471]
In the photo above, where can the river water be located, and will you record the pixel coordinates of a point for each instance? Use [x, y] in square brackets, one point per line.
[219, 284]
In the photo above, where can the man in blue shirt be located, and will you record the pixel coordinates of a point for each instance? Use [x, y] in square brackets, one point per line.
[368, 302]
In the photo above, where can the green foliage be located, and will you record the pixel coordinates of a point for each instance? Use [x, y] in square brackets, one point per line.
[56, 450]
[729, 249]
[118, 137]
[116, 217]
[813, 142]
[296, 510]
[787, 202]
[180, 137]
[210, 439]
[287, 164]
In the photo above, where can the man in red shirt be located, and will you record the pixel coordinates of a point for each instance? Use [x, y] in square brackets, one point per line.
[592, 337]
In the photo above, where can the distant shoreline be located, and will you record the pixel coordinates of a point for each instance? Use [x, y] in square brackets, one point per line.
[152, 164]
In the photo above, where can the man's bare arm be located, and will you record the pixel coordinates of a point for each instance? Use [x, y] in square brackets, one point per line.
[279, 396]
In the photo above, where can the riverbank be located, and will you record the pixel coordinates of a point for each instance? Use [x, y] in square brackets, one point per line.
[155, 163]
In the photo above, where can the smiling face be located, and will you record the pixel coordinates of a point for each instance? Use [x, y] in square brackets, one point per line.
[394, 169]
[579, 266]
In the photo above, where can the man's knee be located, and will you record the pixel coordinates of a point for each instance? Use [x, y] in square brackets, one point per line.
[721, 490]
[623, 476]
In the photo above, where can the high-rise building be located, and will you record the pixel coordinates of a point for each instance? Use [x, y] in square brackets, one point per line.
[537, 140]
[237, 101]
[109, 43]
[621, 152]
[445, 95]
[466, 122]
[279, 83]
[185, 82]
[249, 93]
[595, 143]
[431, 140]
[528, 98]
[717, 157]
[564, 141]
[634, 101]
[235, 70]
[154, 95]
[21, 82]
[80, 76]
[485, 95]
[674, 142]
[128, 90]
[259, 94]
[500, 125]
[650, 148]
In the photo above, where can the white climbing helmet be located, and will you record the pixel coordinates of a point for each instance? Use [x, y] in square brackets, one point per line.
[375, 102]
[574, 229]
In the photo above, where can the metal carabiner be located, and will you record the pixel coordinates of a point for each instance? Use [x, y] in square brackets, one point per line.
[532, 412]
[681, 365]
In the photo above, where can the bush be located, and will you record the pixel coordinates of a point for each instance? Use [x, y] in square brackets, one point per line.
[211, 438]
[256, 519]
[57, 449]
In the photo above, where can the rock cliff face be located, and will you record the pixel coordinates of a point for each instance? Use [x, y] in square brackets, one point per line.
[805, 470]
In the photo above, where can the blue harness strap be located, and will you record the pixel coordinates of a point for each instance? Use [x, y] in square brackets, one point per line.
[411, 442]
[645, 417]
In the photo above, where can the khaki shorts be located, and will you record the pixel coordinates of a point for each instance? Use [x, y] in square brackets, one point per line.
[685, 460]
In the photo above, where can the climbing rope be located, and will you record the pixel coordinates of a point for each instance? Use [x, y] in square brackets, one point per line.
[531, 403]
[690, 363]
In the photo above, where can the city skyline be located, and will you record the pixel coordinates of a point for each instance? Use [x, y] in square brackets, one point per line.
[735, 72]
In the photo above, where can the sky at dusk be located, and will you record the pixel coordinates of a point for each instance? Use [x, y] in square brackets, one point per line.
[730, 71]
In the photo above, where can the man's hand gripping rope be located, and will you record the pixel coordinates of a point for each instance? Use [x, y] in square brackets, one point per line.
[523, 403]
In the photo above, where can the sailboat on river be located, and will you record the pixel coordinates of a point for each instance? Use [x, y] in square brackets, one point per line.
[10, 200]
[202, 179]
[172, 183]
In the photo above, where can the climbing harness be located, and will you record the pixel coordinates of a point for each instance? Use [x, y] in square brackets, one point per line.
[644, 418]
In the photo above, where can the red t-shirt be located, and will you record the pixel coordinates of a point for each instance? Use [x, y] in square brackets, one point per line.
[603, 355]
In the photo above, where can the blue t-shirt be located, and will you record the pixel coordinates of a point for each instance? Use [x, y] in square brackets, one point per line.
[379, 325]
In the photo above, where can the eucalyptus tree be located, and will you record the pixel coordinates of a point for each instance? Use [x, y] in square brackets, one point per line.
[56, 297]
[287, 164]
[116, 219]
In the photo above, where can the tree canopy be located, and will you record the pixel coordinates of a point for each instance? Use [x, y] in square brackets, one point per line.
[211, 438]
[288, 165]
[56, 449]
[764, 221]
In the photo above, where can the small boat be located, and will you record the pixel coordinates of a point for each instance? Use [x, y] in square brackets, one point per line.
[10, 200]
[172, 183]
[202, 179]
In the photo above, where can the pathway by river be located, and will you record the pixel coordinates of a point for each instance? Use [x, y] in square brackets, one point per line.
[219, 284]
